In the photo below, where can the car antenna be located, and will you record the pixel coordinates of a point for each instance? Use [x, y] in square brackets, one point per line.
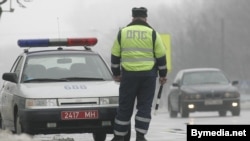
[58, 27]
[58, 30]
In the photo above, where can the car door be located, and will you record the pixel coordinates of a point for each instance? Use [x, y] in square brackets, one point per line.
[9, 90]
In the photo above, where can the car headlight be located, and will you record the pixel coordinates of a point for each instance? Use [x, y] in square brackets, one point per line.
[39, 103]
[108, 100]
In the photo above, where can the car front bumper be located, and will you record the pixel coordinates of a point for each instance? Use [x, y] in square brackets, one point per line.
[49, 121]
[211, 105]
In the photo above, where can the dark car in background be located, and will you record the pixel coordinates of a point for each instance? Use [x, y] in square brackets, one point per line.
[202, 90]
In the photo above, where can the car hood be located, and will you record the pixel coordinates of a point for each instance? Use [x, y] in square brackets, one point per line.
[210, 87]
[69, 89]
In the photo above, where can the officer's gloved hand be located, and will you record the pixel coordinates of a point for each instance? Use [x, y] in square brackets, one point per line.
[162, 80]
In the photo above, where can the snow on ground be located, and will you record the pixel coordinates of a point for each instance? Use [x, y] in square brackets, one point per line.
[162, 128]
[8, 136]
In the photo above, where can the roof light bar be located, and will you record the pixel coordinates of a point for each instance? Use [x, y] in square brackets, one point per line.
[57, 42]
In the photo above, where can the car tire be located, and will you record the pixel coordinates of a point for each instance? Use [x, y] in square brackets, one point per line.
[184, 113]
[99, 136]
[235, 112]
[172, 114]
[18, 126]
[1, 122]
[222, 113]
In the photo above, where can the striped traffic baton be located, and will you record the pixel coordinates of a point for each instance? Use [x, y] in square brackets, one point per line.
[158, 99]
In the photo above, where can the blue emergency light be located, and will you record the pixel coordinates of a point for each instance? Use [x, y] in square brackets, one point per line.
[57, 42]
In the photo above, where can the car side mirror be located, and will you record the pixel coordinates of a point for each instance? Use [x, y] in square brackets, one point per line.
[175, 85]
[12, 77]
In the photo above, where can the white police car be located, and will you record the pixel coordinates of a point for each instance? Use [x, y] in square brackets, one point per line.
[59, 90]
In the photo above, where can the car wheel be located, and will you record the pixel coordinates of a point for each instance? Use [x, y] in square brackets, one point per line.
[222, 113]
[235, 112]
[172, 114]
[184, 113]
[1, 122]
[99, 136]
[18, 126]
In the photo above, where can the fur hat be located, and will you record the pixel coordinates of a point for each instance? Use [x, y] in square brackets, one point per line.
[139, 12]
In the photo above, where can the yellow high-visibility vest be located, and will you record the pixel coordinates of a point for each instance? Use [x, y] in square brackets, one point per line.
[136, 48]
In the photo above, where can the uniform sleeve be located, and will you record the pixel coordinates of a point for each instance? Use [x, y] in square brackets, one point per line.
[115, 58]
[160, 55]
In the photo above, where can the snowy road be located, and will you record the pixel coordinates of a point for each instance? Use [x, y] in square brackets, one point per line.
[162, 128]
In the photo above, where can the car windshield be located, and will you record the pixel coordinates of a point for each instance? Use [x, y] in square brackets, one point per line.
[65, 67]
[204, 77]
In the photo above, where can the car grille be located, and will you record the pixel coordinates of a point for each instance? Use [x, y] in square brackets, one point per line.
[78, 102]
[213, 95]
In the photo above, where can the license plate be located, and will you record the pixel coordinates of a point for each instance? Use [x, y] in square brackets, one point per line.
[86, 114]
[213, 102]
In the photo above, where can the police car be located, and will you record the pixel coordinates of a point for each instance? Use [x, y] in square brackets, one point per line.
[59, 88]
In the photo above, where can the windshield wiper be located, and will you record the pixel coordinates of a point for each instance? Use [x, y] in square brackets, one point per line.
[63, 79]
[44, 80]
[83, 79]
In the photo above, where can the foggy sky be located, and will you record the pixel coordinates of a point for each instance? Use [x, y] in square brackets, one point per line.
[204, 33]
[64, 18]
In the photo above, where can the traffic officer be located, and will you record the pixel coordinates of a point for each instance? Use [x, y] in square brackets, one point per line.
[137, 59]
